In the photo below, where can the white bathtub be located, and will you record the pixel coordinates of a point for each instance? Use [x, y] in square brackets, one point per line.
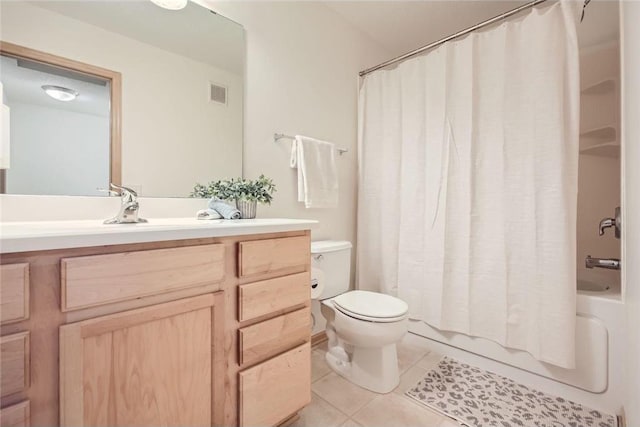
[597, 380]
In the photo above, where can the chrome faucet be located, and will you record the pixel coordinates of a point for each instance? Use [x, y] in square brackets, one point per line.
[608, 263]
[611, 222]
[128, 209]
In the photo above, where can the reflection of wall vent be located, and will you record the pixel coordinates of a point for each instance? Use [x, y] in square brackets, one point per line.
[217, 94]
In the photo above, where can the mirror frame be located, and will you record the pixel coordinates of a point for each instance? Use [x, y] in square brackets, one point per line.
[115, 85]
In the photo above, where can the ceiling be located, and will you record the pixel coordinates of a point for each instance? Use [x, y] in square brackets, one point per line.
[195, 32]
[401, 26]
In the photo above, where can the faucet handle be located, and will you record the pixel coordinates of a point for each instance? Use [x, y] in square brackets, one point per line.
[128, 195]
[615, 222]
[604, 224]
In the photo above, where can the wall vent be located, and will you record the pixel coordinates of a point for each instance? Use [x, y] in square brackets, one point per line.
[217, 93]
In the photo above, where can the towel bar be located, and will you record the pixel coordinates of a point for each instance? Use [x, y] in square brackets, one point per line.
[278, 136]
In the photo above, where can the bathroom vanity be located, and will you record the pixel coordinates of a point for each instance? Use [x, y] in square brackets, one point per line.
[183, 324]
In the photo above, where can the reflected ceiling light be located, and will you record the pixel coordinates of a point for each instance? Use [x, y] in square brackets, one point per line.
[171, 4]
[60, 93]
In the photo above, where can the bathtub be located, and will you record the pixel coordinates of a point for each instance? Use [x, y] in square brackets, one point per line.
[597, 381]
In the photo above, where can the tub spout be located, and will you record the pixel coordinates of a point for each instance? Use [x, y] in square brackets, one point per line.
[608, 263]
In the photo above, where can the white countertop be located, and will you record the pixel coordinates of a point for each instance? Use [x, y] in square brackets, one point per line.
[47, 235]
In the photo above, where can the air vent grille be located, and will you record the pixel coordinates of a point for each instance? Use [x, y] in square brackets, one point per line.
[218, 94]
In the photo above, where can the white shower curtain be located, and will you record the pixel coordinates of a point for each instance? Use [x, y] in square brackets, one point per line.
[468, 184]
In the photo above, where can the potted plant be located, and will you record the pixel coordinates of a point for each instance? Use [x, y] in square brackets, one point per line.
[245, 193]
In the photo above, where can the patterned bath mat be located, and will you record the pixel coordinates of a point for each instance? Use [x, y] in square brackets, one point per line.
[479, 398]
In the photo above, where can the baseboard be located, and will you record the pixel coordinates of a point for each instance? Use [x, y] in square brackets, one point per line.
[318, 339]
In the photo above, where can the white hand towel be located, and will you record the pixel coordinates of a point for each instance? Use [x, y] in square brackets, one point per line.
[317, 172]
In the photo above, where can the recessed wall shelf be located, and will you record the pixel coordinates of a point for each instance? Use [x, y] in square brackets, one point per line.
[602, 141]
[598, 135]
[606, 149]
[599, 88]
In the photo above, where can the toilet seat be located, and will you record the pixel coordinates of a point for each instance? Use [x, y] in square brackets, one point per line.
[371, 306]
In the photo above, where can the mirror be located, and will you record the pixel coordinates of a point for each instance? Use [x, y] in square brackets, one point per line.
[118, 91]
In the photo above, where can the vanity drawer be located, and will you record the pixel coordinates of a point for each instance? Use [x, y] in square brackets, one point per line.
[15, 415]
[14, 363]
[270, 296]
[274, 390]
[14, 293]
[268, 338]
[102, 279]
[271, 255]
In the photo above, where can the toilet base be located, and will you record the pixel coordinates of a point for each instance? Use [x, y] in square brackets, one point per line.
[375, 369]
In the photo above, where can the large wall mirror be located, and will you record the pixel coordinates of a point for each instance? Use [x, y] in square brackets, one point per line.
[118, 91]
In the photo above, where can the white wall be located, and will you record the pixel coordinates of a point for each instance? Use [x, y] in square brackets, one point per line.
[630, 17]
[302, 78]
[172, 136]
[57, 151]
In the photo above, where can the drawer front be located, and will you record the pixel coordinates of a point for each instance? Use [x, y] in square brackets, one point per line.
[102, 279]
[14, 363]
[274, 390]
[272, 255]
[270, 296]
[14, 293]
[15, 415]
[266, 339]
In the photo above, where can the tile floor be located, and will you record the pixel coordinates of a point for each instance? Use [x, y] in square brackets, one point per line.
[336, 402]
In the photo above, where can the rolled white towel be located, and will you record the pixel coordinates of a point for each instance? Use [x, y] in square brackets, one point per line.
[208, 214]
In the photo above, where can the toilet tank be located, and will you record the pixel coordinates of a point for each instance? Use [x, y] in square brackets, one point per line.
[333, 258]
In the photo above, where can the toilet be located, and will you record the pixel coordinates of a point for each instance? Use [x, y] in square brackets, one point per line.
[362, 327]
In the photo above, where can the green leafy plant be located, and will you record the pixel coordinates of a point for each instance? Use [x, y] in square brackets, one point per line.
[260, 190]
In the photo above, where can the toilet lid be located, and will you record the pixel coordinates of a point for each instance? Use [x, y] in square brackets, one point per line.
[371, 304]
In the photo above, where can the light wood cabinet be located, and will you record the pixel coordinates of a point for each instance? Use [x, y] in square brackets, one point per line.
[269, 296]
[271, 391]
[101, 279]
[273, 336]
[200, 332]
[151, 366]
[273, 255]
[14, 363]
[14, 293]
[274, 312]
[15, 415]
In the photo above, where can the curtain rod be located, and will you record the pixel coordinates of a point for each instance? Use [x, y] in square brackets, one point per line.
[459, 34]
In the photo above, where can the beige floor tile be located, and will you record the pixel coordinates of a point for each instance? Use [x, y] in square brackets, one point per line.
[350, 423]
[448, 422]
[411, 349]
[410, 378]
[416, 341]
[397, 411]
[342, 394]
[319, 366]
[319, 413]
[429, 361]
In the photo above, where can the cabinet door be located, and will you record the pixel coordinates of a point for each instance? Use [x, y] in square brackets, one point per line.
[15, 415]
[276, 389]
[161, 365]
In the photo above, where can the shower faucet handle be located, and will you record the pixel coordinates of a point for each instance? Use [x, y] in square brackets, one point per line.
[611, 222]
[604, 224]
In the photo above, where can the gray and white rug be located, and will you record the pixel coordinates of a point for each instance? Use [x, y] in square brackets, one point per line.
[479, 398]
